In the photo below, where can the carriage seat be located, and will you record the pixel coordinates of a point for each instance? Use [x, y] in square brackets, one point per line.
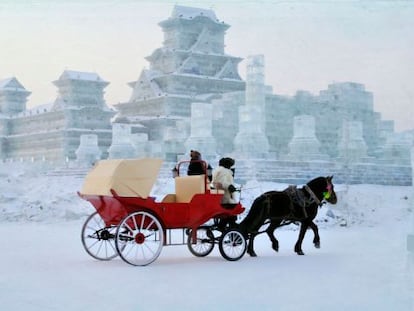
[187, 186]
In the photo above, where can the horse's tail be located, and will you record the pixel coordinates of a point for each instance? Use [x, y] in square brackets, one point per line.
[255, 217]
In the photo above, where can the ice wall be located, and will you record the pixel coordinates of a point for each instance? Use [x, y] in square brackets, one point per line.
[201, 137]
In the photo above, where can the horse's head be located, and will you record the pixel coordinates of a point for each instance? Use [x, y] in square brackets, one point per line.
[324, 189]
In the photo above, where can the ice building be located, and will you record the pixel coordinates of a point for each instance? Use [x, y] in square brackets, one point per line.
[52, 132]
[190, 67]
[191, 78]
[192, 97]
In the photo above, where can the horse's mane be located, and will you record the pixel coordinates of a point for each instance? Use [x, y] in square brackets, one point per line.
[318, 182]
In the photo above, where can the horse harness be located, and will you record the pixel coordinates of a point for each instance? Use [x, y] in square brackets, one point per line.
[298, 197]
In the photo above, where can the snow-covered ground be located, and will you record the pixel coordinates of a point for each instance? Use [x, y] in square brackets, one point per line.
[363, 263]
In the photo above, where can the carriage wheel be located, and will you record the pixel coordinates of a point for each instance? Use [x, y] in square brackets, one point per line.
[232, 245]
[204, 243]
[98, 239]
[139, 238]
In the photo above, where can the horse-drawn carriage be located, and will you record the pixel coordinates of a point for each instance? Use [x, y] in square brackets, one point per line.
[134, 225]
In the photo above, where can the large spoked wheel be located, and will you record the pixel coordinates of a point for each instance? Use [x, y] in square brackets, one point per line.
[139, 238]
[232, 245]
[98, 239]
[204, 242]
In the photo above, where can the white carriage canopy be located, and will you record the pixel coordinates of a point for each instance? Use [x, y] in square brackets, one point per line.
[128, 177]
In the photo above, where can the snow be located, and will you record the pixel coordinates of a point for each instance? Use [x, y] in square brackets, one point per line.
[186, 12]
[363, 263]
[80, 75]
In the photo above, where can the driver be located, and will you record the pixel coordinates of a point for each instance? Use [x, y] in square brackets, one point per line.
[223, 179]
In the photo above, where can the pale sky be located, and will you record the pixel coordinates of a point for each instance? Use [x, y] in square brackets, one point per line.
[307, 44]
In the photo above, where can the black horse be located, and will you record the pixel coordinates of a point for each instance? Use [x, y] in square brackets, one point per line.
[279, 208]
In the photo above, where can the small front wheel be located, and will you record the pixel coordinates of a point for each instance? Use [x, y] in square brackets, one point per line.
[139, 238]
[98, 239]
[204, 242]
[232, 245]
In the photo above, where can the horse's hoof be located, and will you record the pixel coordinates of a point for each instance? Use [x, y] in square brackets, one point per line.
[252, 254]
[300, 253]
[317, 244]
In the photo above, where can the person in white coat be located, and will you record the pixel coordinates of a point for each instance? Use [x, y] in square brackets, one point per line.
[223, 180]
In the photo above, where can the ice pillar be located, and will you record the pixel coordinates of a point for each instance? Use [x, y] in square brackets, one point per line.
[251, 141]
[304, 145]
[352, 146]
[88, 151]
[121, 146]
[140, 143]
[174, 139]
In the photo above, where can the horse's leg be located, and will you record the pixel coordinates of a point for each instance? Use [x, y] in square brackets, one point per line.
[298, 246]
[271, 233]
[316, 238]
[250, 245]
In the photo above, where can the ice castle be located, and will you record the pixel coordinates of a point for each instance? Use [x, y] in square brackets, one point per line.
[192, 97]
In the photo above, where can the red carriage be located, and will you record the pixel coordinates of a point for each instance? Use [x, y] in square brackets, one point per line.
[134, 225]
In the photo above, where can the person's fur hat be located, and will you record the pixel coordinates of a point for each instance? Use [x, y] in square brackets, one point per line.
[226, 162]
[195, 155]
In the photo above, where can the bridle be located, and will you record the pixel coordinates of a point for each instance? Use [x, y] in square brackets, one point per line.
[326, 194]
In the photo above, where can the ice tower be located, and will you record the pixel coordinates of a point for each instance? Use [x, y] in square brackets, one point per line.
[251, 141]
[13, 96]
[191, 66]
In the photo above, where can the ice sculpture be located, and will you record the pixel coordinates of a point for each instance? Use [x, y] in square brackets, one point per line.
[352, 146]
[88, 151]
[251, 141]
[304, 144]
[121, 146]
